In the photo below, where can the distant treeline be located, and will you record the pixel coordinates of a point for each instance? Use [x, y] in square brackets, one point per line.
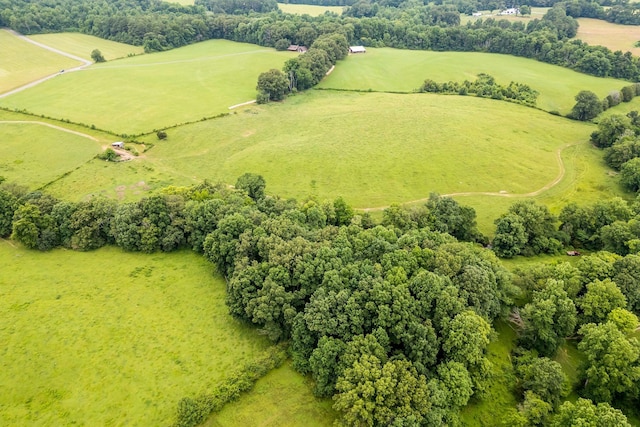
[160, 26]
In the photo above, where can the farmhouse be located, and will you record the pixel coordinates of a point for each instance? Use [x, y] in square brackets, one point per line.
[119, 144]
[510, 11]
[297, 48]
[357, 49]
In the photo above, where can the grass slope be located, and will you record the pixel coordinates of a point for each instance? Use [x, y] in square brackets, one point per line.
[376, 149]
[307, 9]
[152, 91]
[33, 154]
[111, 338]
[22, 62]
[82, 45]
[283, 398]
[405, 70]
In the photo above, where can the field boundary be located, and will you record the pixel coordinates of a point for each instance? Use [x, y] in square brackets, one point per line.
[84, 135]
[552, 184]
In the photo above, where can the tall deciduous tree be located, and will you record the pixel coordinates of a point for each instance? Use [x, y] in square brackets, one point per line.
[274, 84]
[587, 106]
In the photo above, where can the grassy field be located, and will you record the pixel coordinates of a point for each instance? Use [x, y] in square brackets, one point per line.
[111, 338]
[306, 9]
[82, 45]
[613, 36]
[22, 62]
[33, 154]
[405, 70]
[536, 13]
[152, 91]
[283, 398]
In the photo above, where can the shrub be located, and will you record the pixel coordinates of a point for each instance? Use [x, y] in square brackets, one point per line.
[109, 155]
[161, 134]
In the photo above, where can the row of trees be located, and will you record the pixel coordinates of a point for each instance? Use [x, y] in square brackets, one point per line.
[485, 86]
[160, 26]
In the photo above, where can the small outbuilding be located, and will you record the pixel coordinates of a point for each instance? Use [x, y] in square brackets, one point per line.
[357, 49]
[476, 14]
[297, 48]
[118, 144]
[510, 11]
[573, 253]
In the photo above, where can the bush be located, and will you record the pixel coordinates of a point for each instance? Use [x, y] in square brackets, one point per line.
[109, 155]
[161, 134]
[628, 92]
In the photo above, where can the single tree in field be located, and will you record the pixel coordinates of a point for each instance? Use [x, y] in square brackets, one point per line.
[96, 55]
[272, 86]
[587, 106]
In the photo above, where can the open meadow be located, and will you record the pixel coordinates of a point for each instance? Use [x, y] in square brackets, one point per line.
[82, 45]
[22, 62]
[142, 93]
[112, 338]
[405, 70]
[307, 9]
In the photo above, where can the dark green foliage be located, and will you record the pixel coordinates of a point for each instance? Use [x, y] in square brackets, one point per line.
[109, 155]
[253, 184]
[627, 277]
[526, 229]
[610, 129]
[8, 205]
[161, 135]
[548, 319]
[96, 55]
[238, 7]
[587, 107]
[599, 300]
[630, 174]
[486, 87]
[273, 85]
[542, 376]
[447, 216]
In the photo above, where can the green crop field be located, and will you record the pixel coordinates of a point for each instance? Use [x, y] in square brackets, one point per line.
[405, 70]
[307, 9]
[613, 36]
[22, 62]
[33, 154]
[147, 92]
[112, 338]
[283, 398]
[82, 45]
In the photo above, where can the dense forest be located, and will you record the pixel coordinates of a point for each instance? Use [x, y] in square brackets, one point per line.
[391, 318]
[159, 26]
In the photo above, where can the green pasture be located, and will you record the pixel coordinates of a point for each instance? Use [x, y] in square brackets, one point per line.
[33, 154]
[405, 70]
[22, 62]
[536, 13]
[282, 398]
[112, 338]
[82, 45]
[147, 92]
[307, 9]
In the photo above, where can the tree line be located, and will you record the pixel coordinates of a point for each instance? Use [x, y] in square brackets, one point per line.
[391, 318]
[159, 26]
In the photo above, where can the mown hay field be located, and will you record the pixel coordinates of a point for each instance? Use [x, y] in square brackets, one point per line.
[307, 9]
[112, 338]
[147, 92]
[613, 36]
[82, 45]
[405, 70]
[22, 62]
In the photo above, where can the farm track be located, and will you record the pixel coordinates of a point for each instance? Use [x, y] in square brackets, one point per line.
[550, 185]
[84, 135]
[85, 64]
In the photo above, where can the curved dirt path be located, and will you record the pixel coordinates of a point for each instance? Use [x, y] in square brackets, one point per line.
[85, 64]
[552, 184]
[84, 135]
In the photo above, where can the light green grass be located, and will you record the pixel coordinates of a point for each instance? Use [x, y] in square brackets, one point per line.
[613, 36]
[376, 149]
[33, 155]
[307, 9]
[152, 91]
[282, 398]
[22, 62]
[405, 70]
[111, 338]
[491, 409]
[82, 45]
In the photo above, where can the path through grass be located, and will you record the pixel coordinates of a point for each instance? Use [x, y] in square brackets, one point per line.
[82, 45]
